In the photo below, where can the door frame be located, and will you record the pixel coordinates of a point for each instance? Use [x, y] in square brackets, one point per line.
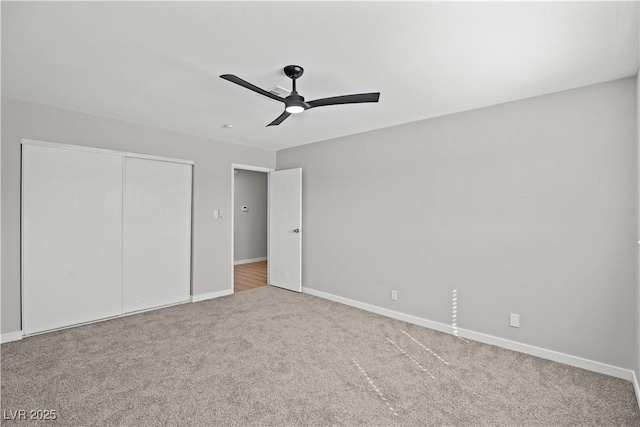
[235, 166]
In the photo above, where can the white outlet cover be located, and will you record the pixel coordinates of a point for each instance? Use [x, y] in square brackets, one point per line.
[394, 295]
[514, 320]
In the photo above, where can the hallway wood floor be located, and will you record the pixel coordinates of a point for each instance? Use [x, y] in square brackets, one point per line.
[249, 276]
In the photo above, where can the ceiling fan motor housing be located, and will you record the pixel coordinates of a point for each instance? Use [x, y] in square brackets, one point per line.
[294, 103]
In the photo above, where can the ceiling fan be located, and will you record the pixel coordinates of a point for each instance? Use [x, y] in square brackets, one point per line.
[295, 103]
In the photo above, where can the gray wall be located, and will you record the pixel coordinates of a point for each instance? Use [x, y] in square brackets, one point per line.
[212, 256]
[526, 207]
[637, 332]
[250, 228]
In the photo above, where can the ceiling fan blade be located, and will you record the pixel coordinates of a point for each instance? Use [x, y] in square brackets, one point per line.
[237, 80]
[345, 99]
[281, 118]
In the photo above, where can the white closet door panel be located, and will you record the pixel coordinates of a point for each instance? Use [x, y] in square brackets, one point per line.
[72, 237]
[157, 233]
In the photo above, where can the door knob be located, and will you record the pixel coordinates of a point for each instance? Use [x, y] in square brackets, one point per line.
[297, 230]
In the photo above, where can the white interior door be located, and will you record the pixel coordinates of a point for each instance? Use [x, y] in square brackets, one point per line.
[157, 233]
[285, 229]
[71, 237]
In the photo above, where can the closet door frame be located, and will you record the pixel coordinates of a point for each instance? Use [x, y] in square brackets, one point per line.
[123, 154]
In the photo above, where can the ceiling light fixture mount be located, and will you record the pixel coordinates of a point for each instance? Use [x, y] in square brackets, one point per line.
[295, 103]
[294, 71]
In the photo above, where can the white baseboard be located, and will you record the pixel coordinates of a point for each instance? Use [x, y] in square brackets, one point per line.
[442, 327]
[543, 353]
[211, 295]
[250, 260]
[636, 386]
[11, 336]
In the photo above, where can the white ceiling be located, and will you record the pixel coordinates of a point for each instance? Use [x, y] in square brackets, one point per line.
[157, 63]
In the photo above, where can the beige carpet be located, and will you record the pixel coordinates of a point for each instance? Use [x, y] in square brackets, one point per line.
[273, 357]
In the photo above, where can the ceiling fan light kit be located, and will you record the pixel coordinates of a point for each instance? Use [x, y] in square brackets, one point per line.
[294, 109]
[295, 103]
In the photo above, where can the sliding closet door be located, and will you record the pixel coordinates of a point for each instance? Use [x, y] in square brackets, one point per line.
[157, 233]
[71, 237]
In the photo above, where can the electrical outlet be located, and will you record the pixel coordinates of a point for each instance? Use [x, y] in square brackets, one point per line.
[514, 320]
[394, 295]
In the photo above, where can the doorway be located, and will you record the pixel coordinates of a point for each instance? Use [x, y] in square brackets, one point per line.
[249, 227]
[284, 227]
